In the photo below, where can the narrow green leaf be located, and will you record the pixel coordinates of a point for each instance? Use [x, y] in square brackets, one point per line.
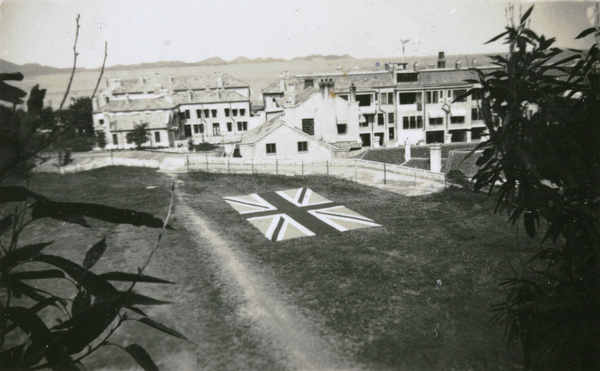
[18, 193]
[75, 211]
[529, 223]
[526, 15]
[497, 37]
[141, 357]
[81, 302]
[36, 275]
[586, 32]
[131, 277]
[22, 254]
[6, 223]
[159, 326]
[92, 283]
[132, 298]
[94, 253]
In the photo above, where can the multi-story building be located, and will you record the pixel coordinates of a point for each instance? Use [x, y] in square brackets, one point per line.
[208, 108]
[398, 104]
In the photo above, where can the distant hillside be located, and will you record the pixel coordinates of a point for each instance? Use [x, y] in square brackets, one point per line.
[29, 69]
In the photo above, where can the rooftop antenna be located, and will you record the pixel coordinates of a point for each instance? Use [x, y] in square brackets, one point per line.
[403, 42]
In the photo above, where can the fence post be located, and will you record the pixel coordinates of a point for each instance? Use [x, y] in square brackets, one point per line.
[384, 174]
[302, 163]
[206, 159]
[415, 177]
[276, 167]
[187, 158]
[228, 169]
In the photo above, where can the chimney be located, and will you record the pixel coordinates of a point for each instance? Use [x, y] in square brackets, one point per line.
[190, 95]
[457, 65]
[355, 69]
[282, 86]
[441, 61]
[416, 66]
[219, 80]
[352, 97]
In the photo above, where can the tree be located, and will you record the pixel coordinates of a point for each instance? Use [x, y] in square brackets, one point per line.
[139, 135]
[85, 321]
[542, 164]
[101, 139]
[79, 116]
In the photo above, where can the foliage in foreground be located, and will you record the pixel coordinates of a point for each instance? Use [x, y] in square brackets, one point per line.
[543, 167]
[46, 328]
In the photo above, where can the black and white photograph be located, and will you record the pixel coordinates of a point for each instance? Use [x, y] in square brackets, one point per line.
[299, 185]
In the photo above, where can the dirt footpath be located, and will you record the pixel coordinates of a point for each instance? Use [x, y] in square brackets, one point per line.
[291, 337]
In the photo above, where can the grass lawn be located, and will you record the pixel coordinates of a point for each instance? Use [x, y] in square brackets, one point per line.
[412, 294]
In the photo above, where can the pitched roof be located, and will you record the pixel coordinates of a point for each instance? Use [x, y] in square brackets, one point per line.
[275, 86]
[178, 83]
[124, 105]
[441, 77]
[299, 96]
[155, 120]
[209, 96]
[362, 80]
[252, 136]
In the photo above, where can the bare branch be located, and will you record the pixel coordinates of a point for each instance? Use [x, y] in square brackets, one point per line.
[74, 65]
[101, 70]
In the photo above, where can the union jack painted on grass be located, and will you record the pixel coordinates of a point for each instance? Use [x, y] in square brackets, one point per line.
[295, 213]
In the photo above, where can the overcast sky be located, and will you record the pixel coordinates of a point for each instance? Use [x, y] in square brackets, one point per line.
[42, 31]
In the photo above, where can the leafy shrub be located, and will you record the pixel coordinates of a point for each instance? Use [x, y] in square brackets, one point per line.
[456, 178]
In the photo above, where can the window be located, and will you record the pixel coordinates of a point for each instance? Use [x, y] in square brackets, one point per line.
[391, 133]
[407, 77]
[181, 115]
[433, 121]
[229, 126]
[187, 130]
[226, 112]
[410, 98]
[387, 98]
[187, 113]
[216, 129]
[342, 128]
[432, 96]
[101, 122]
[390, 117]
[242, 112]
[475, 114]
[242, 125]
[308, 126]
[199, 113]
[157, 134]
[390, 98]
[213, 112]
[115, 139]
[235, 112]
[206, 114]
[412, 122]
[380, 119]
[271, 148]
[201, 128]
[458, 93]
[363, 124]
[308, 83]
[364, 100]
[196, 129]
[457, 119]
[302, 146]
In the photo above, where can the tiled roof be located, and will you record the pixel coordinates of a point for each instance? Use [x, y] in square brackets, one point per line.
[252, 136]
[155, 120]
[442, 77]
[136, 105]
[362, 80]
[208, 97]
[275, 86]
[178, 83]
[300, 96]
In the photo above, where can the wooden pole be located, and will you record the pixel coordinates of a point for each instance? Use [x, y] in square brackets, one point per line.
[187, 158]
[384, 174]
[228, 169]
[302, 163]
[206, 160]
